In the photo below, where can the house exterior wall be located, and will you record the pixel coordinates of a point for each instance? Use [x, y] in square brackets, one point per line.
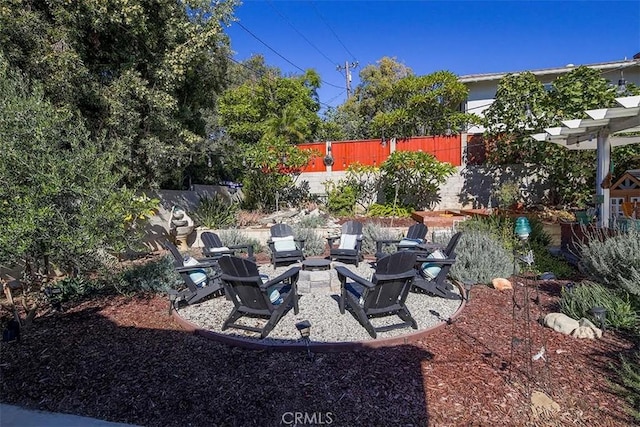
[482, 88]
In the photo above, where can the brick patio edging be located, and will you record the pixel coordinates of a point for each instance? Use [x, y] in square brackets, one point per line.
[317, 347]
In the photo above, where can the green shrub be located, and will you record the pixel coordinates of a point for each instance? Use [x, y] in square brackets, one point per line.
[500, 227]
[387, 210]
[296, 195]
[154, 276]
[578, 303]
[481, 257]
[341, 200]
[545, 261]
[503, 227]
[233, 236]
[538, 236]
[215, 212]
[75, 288]
[614, 261]
[373, 231]
[628, 385]
[314, 243]
[312, 221]
[413, 178]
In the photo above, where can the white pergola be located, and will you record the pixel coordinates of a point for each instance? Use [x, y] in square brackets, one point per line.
[600, 132]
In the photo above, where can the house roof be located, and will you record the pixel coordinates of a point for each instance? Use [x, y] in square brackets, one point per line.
[631, 177]
[613, 65]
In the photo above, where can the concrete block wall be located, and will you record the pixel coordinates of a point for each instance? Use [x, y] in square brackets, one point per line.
[469, 187]
[316, 180]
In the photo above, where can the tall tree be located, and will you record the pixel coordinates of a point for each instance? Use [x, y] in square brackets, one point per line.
[272, 106]
[61, 203]
[140, 72]
[422, 105]
[393, 102]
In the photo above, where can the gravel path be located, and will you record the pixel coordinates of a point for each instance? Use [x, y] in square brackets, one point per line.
[321, 309]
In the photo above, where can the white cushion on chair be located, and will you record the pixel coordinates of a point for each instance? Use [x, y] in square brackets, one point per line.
[348, 241]
[283, 244]
[220, 249]
[198, 276]
[431, 270]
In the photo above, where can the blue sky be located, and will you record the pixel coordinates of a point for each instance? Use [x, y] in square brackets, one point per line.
[464, 37]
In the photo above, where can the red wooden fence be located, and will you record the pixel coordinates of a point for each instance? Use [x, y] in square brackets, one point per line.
[375, 151]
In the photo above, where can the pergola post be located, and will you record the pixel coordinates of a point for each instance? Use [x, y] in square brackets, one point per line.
[603, 165]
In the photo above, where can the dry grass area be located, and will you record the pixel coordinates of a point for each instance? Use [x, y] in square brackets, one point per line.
[124, 359]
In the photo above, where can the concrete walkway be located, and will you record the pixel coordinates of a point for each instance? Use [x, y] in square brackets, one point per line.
[14, 416]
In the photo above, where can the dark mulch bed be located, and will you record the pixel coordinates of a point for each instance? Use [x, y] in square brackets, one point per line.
[124, 359]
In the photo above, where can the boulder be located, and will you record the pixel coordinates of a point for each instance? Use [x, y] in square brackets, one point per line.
[501, 284]
[560, 322]
[587, 330]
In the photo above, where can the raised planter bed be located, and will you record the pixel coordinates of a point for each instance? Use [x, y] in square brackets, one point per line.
[438, 219]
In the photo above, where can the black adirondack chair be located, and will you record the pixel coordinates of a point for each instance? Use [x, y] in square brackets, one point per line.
[285, 248]
[384, 295]
[206, 283]
[433, 268]
[213, 247]
[350, 247]
[416, 234]
[251, 297]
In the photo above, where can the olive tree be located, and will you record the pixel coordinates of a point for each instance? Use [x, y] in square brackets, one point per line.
[62, 205]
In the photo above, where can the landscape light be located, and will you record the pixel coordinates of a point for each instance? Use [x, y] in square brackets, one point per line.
[600, 313]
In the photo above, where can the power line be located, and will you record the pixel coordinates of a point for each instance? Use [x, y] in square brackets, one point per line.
[268, 47]
[331, 29]
[285, 19]
[280, 55]
[260, 74]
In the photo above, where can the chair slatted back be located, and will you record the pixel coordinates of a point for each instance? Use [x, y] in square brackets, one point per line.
[281, 230]
[242, 280]
[417, 231]
[178, 259]
[392, 278]
[352, 227]
[211, 240]
[450, 250]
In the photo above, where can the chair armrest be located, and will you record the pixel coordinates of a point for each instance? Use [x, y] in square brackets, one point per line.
[446, 261]
[188, 268]
[429, 247]
[405, 275]
[345, 272]
[213, 260]
[209, 254]
[300, 243]
[281, 278]
[331, 240]
[247, 246]
[385, 242]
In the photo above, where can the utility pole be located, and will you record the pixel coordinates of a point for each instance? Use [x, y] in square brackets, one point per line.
[347, 67]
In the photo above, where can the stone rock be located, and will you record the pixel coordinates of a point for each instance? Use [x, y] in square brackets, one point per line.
[541, 404]
[501, 284]
[560, 322]
[587, 330]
